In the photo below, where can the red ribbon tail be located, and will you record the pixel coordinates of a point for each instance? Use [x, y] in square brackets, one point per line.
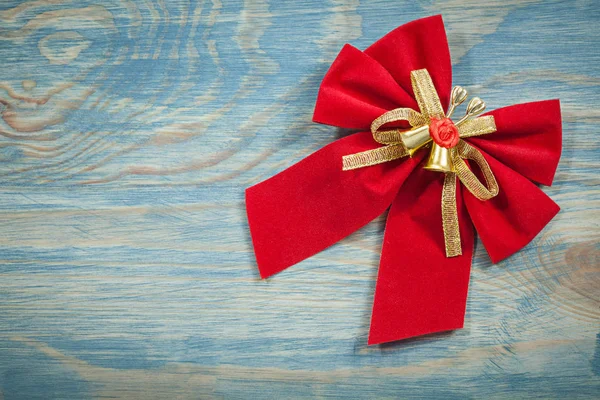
[419, 290]
[314, 203]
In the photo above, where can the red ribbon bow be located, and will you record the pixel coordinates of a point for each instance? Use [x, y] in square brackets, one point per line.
[314, 203]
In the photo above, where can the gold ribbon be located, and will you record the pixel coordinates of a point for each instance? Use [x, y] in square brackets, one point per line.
[401, 143]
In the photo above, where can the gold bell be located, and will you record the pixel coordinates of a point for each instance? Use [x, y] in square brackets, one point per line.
[416, 138]
[440, 159]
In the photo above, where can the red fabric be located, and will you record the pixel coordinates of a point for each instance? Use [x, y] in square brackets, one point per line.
[419, 290]
[356, 90]
[418, 44]
[313, 204]
[528, 139]
[509, 221]
[360, 86]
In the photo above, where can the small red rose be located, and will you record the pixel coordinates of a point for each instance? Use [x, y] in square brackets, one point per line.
[443, 132]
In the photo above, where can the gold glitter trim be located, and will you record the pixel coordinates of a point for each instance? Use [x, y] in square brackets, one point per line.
[450, 225]
[399, 114]
[468, 178]
[426, 95]
[373, 157]
[450, 217]
[476, 127]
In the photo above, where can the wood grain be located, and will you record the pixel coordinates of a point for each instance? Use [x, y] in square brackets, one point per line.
[129, 131]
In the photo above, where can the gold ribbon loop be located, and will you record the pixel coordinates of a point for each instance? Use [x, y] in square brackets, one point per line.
[468, 178]
[400, 143]
[399, 114]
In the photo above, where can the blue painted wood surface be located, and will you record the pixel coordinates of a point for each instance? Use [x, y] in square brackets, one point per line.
[129, 131]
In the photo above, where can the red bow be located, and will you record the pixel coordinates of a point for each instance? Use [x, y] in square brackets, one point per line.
[314, 203]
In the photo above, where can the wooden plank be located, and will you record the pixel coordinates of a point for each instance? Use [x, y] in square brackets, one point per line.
[129, 131]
